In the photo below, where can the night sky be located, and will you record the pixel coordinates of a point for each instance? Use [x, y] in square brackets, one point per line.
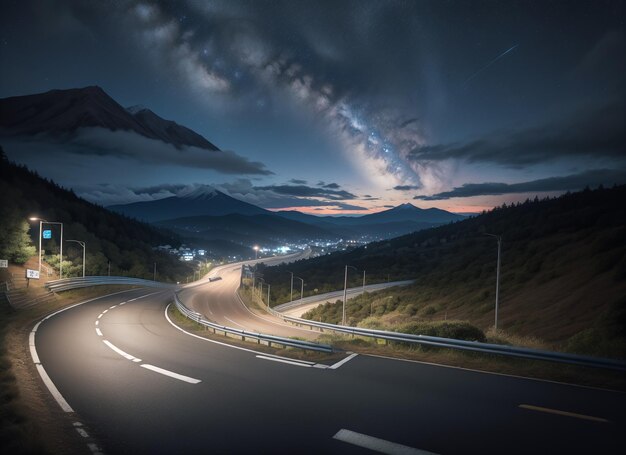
[339, 106]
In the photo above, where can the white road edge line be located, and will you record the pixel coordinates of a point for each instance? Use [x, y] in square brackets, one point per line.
[120, 352]
[290, 362]
[53, 389]
[171, 374]
[167, 316]
[236, 323]
[377, 444]
[342, 361]
[493, 373]
[563, 413]
[42, 371]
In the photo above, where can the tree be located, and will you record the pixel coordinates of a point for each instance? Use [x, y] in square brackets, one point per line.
[15, 243]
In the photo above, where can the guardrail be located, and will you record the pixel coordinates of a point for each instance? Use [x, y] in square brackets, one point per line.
[475, 346]
[269, 339]
[67, 284]
[338, 295]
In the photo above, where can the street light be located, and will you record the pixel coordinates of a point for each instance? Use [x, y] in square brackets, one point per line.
[41, 221]
[345, 292]
[256, 252]
[84, 249]
[301, 287]
[499, 239]
[291, 292]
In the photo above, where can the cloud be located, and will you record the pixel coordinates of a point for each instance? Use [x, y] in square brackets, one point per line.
[309, 191]
[334, 186]
[406, 187]
[298, 182]
[125, 144]
[592, 178]
[590, 133]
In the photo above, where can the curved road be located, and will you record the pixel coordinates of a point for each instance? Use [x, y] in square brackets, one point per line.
[138, 384]
[218, 302]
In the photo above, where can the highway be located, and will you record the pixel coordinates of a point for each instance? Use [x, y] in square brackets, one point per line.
[218, 302]
[135, 383]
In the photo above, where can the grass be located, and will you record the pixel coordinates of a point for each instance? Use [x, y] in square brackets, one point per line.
[17, 433]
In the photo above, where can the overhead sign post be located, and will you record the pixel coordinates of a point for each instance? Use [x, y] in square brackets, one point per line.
[4, 263]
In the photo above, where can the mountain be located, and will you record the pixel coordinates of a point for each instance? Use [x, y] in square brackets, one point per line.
[407, 212]
[61, 113]
[402, 213]
[203, 201]
[167, 130]
[397, 221]
[266, 229]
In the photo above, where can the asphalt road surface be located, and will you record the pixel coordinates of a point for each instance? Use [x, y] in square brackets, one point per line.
[140, 385]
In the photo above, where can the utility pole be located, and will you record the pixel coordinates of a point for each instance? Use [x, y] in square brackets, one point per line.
[154, 278]
[363, 281]
[499, 239]
[109, 267]
[268, 295]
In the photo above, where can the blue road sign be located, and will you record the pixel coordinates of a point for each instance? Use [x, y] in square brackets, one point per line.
[47, 234]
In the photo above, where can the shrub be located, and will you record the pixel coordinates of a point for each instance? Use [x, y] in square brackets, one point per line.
[459, 330]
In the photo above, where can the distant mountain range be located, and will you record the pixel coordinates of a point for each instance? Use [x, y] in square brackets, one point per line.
[204, 201]
[61, 113]
[209, 214]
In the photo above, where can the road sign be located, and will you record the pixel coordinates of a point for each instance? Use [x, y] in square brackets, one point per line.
[47, 234]
[4, 263]
[32, 274]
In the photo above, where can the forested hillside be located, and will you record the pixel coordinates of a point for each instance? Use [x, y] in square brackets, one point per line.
[126, 243]
[563, 270]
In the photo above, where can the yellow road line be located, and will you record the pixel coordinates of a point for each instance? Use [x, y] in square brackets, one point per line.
[563, 413]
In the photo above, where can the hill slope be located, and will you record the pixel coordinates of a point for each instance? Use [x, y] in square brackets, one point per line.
[126, 243]
[266, 229]
[563, 272]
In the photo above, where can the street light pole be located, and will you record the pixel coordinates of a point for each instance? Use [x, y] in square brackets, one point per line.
[291, 292]
[363, 281]
[41, 221]
[345, 293]
[268, 295]
[301, 287]
[84, 249]
[154, 275]
[499, 239]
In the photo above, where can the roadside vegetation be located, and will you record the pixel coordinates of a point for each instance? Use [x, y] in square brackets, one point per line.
[17, 433]
[127, 244]
[563, 275]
